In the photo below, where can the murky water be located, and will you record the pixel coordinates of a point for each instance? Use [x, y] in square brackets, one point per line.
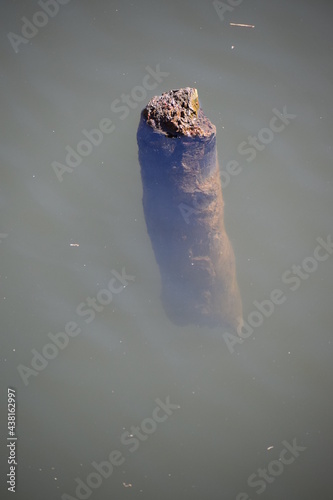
[86, 342]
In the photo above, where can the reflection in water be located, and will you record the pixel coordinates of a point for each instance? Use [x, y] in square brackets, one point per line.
[183, 206]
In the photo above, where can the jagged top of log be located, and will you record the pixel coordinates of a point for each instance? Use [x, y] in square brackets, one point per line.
[177, 113]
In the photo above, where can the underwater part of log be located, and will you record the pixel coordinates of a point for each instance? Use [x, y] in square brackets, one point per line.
[180, 172]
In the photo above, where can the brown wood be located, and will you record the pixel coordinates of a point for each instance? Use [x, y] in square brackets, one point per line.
[183, 207]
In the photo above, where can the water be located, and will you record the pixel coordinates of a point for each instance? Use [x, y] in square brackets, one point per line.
[61, 241]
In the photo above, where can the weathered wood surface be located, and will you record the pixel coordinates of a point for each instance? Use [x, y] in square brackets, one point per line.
[183, 207]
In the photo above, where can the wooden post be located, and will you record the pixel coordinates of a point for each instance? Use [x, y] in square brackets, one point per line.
[183, 207]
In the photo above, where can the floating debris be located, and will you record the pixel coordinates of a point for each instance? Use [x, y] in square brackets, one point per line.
[243, 25]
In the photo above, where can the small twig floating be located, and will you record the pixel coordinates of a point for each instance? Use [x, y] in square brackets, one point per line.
[242, 25]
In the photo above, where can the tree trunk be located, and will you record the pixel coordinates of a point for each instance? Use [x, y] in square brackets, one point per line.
[183, 207]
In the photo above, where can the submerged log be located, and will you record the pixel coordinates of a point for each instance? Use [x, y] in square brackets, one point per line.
[183, 207]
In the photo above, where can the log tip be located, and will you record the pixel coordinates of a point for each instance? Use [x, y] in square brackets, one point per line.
[177, 113]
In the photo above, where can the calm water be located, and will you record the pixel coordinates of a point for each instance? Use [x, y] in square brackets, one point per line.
[234, 407]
